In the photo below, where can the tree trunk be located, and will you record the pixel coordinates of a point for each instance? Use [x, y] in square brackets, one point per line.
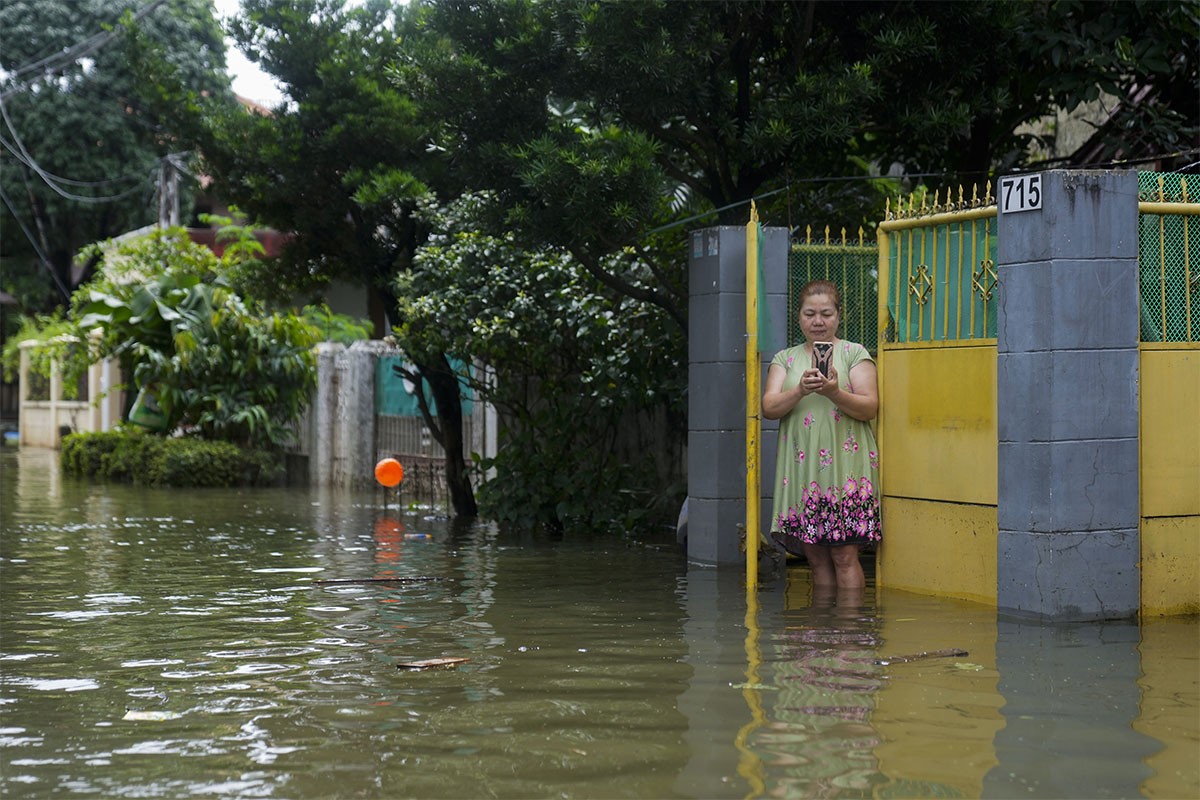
[444, 386]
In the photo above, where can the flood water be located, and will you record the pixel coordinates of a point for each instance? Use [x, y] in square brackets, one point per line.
[167, 644]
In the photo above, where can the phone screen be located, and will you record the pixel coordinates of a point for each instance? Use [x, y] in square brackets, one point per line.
[823, 356]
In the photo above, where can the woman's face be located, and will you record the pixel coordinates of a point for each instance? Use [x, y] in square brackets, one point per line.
[818, 318]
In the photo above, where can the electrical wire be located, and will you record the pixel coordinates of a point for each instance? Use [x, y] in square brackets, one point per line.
[69, 181]
[42, 259]
[23, 155]
[72, 54]
[849, 178]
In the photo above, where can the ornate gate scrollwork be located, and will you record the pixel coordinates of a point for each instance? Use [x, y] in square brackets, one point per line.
[983, 280]
[920, 284]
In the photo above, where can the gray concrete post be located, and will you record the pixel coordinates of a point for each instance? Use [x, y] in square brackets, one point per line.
[354, 458]
[717, 385]
[324, 411]
[1067, 340]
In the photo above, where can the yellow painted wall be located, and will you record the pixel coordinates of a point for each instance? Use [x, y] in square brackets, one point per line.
[938, 422]
[1170, 565]
[1169, 438]
[1169, 379]
[939, 548]
[938, 444]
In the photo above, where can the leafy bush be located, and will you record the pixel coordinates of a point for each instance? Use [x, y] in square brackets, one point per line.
[133, 456]
[217, 365]
[570, 378]
[334, 327]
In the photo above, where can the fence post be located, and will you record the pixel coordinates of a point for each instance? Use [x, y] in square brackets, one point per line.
[1067, 402]
[23, 392]
[324, 411]
[716, 454]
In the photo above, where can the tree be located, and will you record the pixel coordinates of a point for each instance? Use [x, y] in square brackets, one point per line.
[341, 164]
[585, 117]
[571, 383]
[81, 154]
[1003, 67]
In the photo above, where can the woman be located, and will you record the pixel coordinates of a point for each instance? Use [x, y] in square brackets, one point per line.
[827, 463]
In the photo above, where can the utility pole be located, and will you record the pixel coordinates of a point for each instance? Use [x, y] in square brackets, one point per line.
[168, 192]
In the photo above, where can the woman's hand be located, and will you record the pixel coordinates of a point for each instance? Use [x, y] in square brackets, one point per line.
[826, 387]
[812, 382]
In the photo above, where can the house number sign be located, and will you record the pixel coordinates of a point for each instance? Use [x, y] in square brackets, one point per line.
[1020, 193]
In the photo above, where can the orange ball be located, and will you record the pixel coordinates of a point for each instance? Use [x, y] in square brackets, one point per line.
[389, 472]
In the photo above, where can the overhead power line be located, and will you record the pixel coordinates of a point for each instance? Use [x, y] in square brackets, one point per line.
[24, 156]
[42, 259]
[57, 61]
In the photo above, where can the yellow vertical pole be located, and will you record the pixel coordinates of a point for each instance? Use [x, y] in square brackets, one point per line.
[884, 272]
[753, 401]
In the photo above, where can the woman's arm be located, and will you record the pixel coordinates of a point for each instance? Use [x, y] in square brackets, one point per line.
[863, 402]
[777, 402]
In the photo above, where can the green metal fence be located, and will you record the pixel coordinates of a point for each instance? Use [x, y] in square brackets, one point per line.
[941, 262]
[1169, 281]
[853, 265]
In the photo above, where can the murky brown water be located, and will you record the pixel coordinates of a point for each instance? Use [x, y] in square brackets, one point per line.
[173, 644]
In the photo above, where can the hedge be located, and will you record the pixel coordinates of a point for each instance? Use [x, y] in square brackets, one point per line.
[144, 459]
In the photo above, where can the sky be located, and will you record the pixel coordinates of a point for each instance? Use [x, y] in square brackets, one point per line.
[248, 80]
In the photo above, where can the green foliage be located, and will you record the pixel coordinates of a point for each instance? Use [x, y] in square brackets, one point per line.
[569, 375]
[132, 456]
[85, 144]
[52, 331]
[334, 327]
[217, 365]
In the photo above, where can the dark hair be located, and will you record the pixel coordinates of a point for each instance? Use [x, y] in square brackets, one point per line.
[821, 287]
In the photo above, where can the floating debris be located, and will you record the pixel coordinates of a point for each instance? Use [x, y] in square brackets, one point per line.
[758, 687]
[950, 653]
[395, 579]
[432, 663]
[151, 716]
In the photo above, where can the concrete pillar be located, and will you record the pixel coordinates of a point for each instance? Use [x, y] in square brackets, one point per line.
[56, 389]
[23, 390]
[1067, 343]
[324, 412]
[717, 385]
[354, 451]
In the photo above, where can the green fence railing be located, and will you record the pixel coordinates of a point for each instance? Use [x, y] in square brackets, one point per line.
[853, 265]
[941, 263]
[1169, 279]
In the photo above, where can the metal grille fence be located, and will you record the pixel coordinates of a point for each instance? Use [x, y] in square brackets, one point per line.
[941, 268]
[853, 266]
[1169, 282]
[408, 440]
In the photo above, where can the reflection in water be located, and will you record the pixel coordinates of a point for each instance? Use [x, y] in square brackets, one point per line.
[820, 742]
[597, 668]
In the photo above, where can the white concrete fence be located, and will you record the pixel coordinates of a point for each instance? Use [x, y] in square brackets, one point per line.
[340, 436]
[42, 421]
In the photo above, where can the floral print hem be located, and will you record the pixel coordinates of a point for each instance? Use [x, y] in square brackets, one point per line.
[832, 516]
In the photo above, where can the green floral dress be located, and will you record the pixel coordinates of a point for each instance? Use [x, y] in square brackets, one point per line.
[827, 463]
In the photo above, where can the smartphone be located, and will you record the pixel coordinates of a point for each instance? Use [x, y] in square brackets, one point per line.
[823, 357]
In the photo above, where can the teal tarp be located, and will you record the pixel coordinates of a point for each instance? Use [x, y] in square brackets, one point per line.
[393, 397]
